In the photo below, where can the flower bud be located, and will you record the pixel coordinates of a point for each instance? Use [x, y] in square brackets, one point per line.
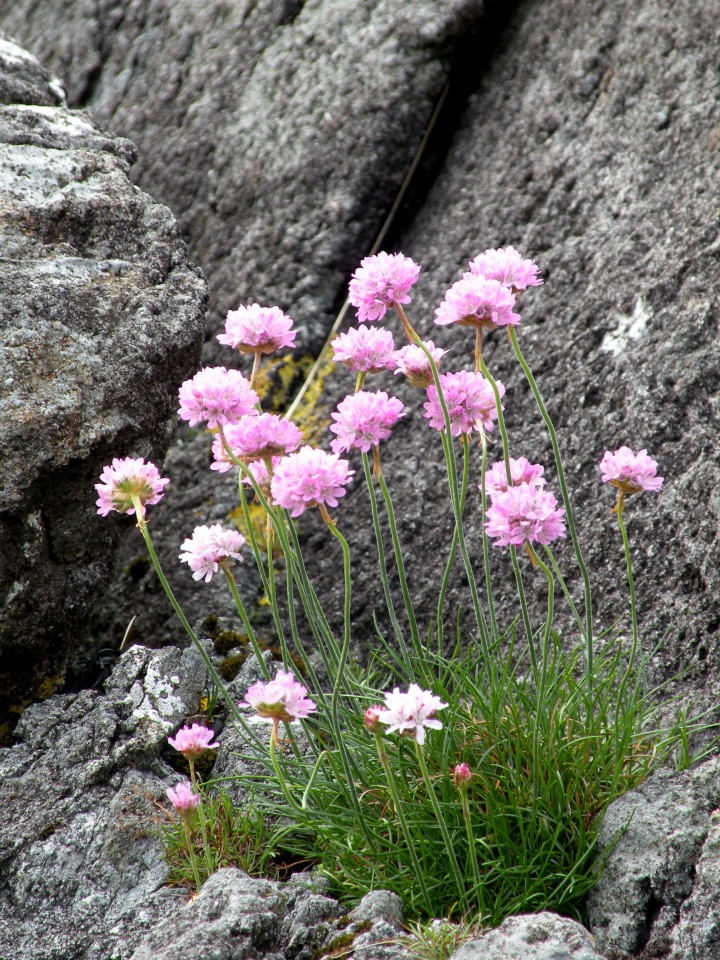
[461, 775]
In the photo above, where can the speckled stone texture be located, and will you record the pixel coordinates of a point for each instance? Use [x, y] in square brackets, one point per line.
[540, 936]
[101, 316]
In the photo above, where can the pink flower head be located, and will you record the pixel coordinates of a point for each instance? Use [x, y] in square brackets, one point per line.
[259, 470]
[218, 396]
[371, 717]
[470, 401]
[280, 699]
[310, 477]
[409, 714]
[254, 438]
[521, 471]
[363, 419]
[256, 329]
[193, 741]
[183, 798]
[365, 349]
[630, 472]
[126, 479]
[381, 281]
[477, 302]
[461, 775]
[208, 548]
[412, 362]
[524, 514]
[507, 266]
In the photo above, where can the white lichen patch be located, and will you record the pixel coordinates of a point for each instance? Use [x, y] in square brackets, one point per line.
[12, 53]
[62, 121]
[160, 701]
[629, 328]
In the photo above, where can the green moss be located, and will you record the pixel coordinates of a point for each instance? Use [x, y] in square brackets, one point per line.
[230, 667]
[50, 685]
[341, 946]
[226, 640]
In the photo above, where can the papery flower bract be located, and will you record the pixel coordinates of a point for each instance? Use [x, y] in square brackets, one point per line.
[282, 698]
[218, 396]
[254, 438]
[363, 419]
[208, 548]
[524, 514]
[630, 472]
[521, 471]
[256, 329]
[461, 775]
[381, 281]
[193, 741]
[126, 478]
[507, 265]
[411, 713]
[414, 364]
[365, 349]
[310, 477]
[477, 302]
[470, 401]
[183, 798]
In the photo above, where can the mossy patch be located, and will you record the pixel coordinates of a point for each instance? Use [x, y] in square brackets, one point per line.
[230, 666]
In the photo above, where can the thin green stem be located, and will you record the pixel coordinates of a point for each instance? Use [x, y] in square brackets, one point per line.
[470, 838]
[486, 539]
[449, 849]
[191, 851]
[566, 592]
[278, 770]
[207, 853]
[631, 582]
[246, 622]
[550, 609]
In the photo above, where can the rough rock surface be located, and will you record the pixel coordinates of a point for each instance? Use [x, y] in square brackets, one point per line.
[101, 316]
[540, 936]
[659, 895]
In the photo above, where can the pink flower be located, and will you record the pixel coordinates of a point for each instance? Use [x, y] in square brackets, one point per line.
[371, 717]
[461, 775]
[477, 302]
[256, 329]
[310, 477]
[183, 798]
[524, 514]
[363, 419]
[126, 479]
[630, 472]
[411, 713]
[365, 349]
[193, 741]
[381, 281]
[470, 401]
[280, 699]
[218, 396]
[412, 362]
[254, 438]
[521, 471]
[259, 470]
[507, 266]
[208, 548]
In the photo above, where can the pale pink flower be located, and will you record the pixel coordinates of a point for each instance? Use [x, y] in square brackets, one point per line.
[461, 775]
[256, 329]
[414, 364]
[363, 419]
[310, 477]
[381, 281]
[521, 471]
[365, 349]
[125, 479]
[259, 470]
[193, 741]
[208, 548]
[411, 713]
[508, 266]
[282, 698]
[371, 717]
[218, 396]
[469, 399]
[630, 472]
[524, 514]
[254, 438]
[476, 302]
[183, 798]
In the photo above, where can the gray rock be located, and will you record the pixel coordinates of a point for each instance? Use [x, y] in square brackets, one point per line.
[101, 316]
[658, 895]
[540, 936]
[379, 905]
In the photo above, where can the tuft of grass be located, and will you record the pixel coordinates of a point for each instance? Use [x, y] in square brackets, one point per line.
[438, 939]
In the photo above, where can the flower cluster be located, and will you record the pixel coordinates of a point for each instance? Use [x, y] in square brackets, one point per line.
[470, 402]
[477, 302]
[256, 438]
[379, 282]
[256, 329]
[411, 713]
[521, 471]
[208, 548]
[193, 741]
[218, 397]
[524, 514]
[506, 266]
[365, 349]
[282, 698]
[310, 477]
[126, 481]
[630, 472]
[183, 798]
[413, 363]
[363, 419]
